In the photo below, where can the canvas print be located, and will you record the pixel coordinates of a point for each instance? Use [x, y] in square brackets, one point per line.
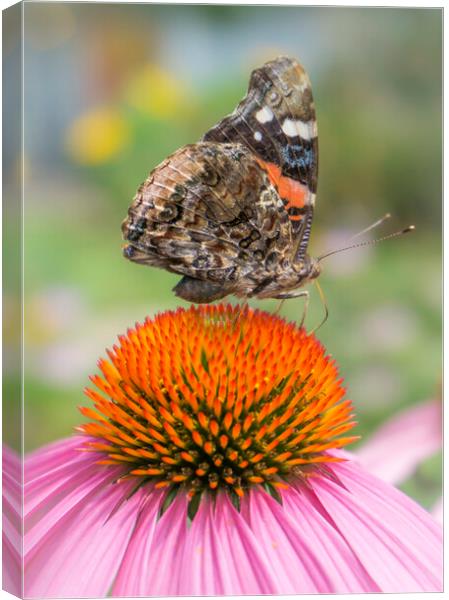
[222, 300]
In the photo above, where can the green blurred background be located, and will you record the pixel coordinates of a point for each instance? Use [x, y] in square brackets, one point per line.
[110, 90]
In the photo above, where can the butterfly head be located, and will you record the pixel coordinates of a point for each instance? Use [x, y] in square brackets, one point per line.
[310, 268]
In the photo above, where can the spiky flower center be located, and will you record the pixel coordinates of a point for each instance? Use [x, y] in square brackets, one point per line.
[217, 397]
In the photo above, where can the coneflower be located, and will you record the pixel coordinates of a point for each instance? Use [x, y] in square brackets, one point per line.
[212, 464]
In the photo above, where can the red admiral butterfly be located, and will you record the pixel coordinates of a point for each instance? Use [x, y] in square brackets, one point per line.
[233, 212]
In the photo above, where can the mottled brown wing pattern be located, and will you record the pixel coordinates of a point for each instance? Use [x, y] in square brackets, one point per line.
[209, 212]
[276, 120]
[232, 213]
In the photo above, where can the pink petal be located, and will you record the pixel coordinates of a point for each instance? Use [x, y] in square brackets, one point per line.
[226, 556]
[53, 455]
[59, 472]
[217, 554]
[308, 554]
[74, 541]
[80, 555]
[406, 440]
[42, 516]
[150, 565]
[11, 567]
[12, 522]
[398, 542]
[437, 510]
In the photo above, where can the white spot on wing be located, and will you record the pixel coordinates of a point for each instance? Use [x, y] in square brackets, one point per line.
[257, 136]
[296, 128]
[264, 115]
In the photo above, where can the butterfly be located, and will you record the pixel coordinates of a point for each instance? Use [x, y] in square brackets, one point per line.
[233, 212]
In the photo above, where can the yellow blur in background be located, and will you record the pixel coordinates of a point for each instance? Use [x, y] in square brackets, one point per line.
[97, 136]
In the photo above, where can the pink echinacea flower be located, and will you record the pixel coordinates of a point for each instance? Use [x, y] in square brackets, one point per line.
[212, 463]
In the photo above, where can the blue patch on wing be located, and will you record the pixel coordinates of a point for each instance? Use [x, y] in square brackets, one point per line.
[298, 156]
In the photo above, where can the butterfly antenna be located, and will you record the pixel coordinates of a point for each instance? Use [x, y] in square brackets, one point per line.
[369, 242]
[326, 309]
[375, 224]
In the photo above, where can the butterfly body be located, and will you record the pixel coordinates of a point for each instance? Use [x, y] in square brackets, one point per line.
[232, 213]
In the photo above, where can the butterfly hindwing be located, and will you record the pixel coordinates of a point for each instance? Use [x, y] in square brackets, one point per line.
[211, 213]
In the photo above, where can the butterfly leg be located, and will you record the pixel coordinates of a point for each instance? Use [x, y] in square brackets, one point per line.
[278, 310]
[296, 294]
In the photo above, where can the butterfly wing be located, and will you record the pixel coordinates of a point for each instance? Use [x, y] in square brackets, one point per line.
[209, 212]
[276, 121]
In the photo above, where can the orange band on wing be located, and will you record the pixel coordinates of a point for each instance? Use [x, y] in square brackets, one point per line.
[289, 189]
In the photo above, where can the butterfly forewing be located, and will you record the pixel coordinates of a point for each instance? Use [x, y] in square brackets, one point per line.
[276, 121]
